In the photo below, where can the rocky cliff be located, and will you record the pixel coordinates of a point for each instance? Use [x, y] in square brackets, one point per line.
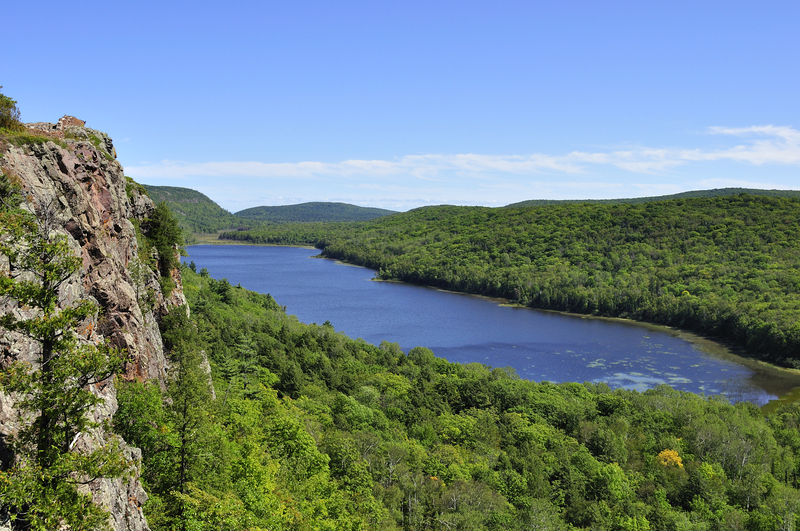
[72, 173]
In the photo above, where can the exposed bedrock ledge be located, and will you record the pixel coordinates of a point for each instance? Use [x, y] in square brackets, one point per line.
[84, 187]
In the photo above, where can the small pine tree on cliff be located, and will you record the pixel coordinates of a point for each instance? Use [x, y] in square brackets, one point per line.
[165, 234]
[39, 486]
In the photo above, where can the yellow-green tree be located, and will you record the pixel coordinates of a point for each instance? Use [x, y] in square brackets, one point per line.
[670, 458]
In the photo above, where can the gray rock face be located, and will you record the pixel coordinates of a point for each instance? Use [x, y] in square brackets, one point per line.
[70, 127]
[84, 185]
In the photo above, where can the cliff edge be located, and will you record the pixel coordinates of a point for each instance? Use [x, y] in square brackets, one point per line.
[70, 172]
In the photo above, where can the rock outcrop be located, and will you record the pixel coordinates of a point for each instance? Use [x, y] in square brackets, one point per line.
[69, 127]
[77, 179]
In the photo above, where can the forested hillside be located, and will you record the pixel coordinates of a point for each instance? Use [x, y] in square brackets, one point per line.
[309, 429]
[716, 192]
[195, 212]
[311, 212]
[251, 420]
[726, 266]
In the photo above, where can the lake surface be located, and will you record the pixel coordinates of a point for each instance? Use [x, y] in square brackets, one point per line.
[540, 345]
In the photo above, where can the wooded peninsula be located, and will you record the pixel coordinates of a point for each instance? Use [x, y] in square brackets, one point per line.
[726, 266]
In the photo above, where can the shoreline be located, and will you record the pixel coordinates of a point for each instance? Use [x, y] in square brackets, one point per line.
[780, 381]
[784, 382]
[209, 239]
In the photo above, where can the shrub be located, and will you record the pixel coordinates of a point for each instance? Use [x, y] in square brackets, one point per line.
[131, 185]
[9, 113]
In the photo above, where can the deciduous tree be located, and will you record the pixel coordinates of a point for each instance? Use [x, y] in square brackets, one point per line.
[9, 113]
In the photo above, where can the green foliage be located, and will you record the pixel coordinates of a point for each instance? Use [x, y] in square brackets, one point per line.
[159, 239]
[14, 131]
[312, 212]
[313, 430]
[22, 136]
[101, 148]
[196, 213]
[131, 186]
[725, 266]
[38, 490]
[716, 192]
[10, 198]
[163, 233]
[95, 140]
[166, 236]
[9, 113]
[311, 233]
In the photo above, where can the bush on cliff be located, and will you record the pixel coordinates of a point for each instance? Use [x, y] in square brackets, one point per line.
[9, 113]
[162, 233]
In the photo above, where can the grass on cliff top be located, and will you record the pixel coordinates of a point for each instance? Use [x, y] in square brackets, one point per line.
[22, 136]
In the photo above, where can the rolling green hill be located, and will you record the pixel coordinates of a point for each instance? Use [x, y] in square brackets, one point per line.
[310, 212]
[728, 266]
[716, 192]
[195, 211]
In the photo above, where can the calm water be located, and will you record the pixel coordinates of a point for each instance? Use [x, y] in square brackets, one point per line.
[461, 328]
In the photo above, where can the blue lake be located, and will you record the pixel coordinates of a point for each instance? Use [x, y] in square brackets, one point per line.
[462, 328]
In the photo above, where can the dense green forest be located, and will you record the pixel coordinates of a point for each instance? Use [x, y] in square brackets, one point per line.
[310, 429]
[196, 213]
[266, 423]
[311, 212]
[716, 192]
[726, 266]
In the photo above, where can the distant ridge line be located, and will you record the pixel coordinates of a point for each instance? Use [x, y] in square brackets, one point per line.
[313, 211]
[716, 192]
[196, 212]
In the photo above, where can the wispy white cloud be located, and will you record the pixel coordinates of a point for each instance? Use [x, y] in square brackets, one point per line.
[472, 179]
[420, 166]
[771, 145]
[760, 145]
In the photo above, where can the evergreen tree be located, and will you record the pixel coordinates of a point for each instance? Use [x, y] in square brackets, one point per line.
[186, 413]
[39, 489]
[165, 233]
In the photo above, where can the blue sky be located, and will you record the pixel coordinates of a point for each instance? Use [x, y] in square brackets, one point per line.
[404, 104]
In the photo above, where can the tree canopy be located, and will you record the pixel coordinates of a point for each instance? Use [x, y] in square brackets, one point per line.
[313, 430]
[725, 266]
